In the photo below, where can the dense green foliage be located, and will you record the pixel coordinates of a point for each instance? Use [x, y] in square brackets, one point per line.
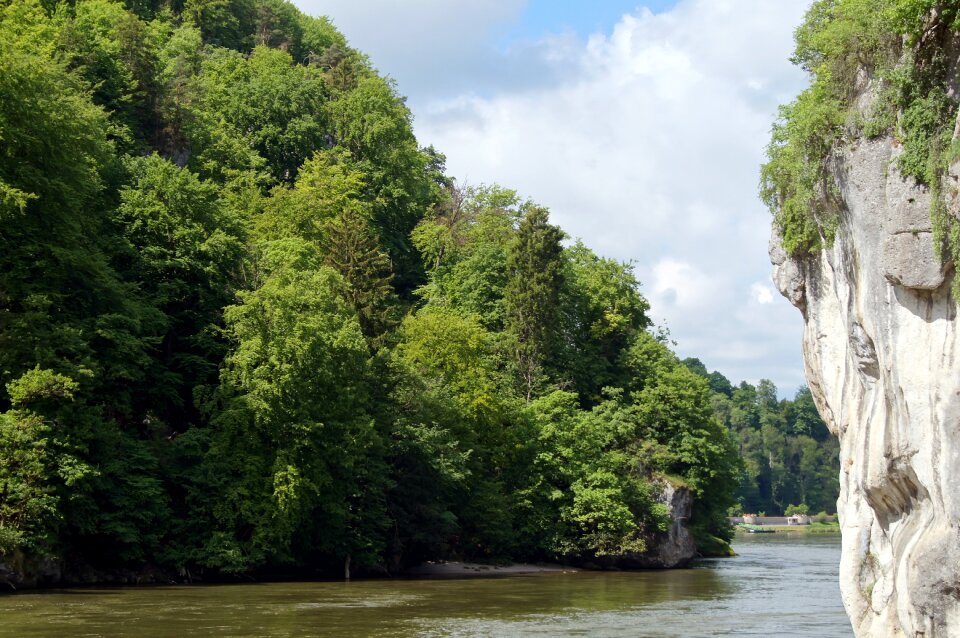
[790, 458]
[247, 324]
[896, 52]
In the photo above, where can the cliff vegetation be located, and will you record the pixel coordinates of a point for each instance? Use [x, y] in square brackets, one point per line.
[877, 68]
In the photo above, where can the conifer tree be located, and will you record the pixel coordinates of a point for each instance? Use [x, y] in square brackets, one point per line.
[353, 251]
[535, 264]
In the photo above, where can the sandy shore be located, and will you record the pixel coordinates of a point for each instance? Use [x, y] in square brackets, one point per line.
[456, 569]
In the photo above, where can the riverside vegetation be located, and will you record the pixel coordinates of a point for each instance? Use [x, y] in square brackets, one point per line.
[249, 326]
[791, 461]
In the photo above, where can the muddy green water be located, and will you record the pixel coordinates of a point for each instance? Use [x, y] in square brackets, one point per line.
[779, 585]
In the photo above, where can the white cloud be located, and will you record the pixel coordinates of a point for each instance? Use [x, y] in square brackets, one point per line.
[644, 141]
[436, 47]
[762, 293]
[682, 285]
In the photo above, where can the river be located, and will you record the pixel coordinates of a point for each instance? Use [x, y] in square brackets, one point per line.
[780, 584]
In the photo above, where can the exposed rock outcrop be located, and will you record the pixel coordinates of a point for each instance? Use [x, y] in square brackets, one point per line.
[673, 548]
[880, 348]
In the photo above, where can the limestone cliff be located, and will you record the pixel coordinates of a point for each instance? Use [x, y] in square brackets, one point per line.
[880, 346]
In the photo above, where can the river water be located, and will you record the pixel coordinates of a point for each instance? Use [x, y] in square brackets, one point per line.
[779, 585]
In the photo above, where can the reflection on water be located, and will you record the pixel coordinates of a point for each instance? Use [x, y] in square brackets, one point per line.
[779, 585]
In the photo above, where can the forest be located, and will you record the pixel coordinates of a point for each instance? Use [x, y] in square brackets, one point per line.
[789, 456]
[249, 325]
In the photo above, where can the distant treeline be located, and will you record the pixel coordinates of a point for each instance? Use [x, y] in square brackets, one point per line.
[247, 323]
[790, 457]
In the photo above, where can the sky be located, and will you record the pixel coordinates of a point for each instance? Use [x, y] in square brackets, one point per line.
[640, 125]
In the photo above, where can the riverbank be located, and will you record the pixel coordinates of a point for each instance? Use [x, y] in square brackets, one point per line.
[156, 578]
[428, 570]
[458, 569]
[812, 528]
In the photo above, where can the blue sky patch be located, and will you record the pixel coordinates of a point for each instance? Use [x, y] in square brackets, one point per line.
[584, 18]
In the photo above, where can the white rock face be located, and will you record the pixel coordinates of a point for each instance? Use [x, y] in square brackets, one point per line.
[880, 348]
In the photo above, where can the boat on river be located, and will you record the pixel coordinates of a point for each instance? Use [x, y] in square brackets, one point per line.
[755, 529]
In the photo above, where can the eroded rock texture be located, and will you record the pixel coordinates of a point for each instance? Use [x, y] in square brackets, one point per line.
[880, 347]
